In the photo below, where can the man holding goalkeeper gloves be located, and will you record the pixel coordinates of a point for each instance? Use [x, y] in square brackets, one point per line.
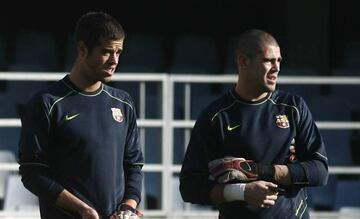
[253, 150]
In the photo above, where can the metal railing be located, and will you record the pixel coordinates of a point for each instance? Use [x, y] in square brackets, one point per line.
[167, 123]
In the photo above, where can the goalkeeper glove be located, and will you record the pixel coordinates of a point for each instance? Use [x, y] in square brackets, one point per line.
[125, 211]
[230, 169]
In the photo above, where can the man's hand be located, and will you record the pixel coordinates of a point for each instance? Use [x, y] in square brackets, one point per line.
[127, 212]
[229, 169]
[261, 193]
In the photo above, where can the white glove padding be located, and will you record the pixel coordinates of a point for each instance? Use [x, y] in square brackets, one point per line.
[125, 211]
[127, 215]
[229, 169]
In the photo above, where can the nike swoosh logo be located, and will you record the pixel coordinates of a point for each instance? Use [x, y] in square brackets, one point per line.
[229, 128]
[68, 118]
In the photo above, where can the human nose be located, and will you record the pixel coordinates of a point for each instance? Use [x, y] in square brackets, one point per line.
[276, 66]
[113, 59]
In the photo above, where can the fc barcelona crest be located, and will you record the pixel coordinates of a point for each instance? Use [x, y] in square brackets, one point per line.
[117, 114]
[282, 121]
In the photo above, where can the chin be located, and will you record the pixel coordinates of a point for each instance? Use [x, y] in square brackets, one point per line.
[270, 88]
[106, 79]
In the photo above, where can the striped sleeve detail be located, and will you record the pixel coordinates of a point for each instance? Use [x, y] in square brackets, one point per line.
[287, 105]
[223, 109]
[34, 164]
[321, 155]
[58, 100]
[116, 98]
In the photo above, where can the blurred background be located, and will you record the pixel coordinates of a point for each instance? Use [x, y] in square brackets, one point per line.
[178, 56]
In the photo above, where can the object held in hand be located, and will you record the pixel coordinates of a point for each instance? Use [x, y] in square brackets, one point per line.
[230, 169]
[127, 212]
[279, 190]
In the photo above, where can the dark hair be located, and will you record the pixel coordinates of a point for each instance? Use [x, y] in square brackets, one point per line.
[94, 26]
[251, 42]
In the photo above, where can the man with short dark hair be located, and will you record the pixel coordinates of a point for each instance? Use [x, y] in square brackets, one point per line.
[79, 150]
[253, 150]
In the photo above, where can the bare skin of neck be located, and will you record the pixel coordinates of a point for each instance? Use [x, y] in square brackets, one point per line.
[82, 82]
[248, 93]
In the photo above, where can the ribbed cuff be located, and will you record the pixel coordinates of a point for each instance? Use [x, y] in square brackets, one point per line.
[297, 173]
[133, 196]
[53, 192]
[266, 172]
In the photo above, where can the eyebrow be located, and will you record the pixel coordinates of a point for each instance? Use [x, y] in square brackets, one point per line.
[270, 59]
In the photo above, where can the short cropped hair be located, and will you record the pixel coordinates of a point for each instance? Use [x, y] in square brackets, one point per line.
[251, 42]
[95, 26]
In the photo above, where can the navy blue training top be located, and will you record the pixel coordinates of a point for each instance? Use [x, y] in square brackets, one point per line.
[278, 129]
[84, 142]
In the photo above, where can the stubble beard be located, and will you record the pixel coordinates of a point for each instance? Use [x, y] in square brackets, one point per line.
[106, 80]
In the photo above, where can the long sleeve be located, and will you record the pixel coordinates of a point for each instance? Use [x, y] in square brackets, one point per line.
[312, 167]
[133, 162]
[195, 185]
[33, 159]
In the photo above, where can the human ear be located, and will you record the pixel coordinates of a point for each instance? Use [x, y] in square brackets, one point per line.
[81, 48]
[242, 60]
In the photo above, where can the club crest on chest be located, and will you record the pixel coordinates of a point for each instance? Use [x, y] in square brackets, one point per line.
[117, 114]
[282, 121]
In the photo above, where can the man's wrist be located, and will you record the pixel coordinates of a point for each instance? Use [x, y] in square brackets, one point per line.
[131, 202]
[266, 172]
[127, 207]
[234, 192]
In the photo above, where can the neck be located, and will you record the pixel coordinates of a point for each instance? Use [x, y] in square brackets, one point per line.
[249, 93]
[81, 81]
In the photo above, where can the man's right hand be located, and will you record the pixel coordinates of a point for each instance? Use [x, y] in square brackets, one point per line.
[261, 193]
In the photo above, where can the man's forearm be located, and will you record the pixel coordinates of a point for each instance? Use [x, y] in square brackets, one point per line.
[309, 173]
[217, 194]
[282, 175]
[70, 202]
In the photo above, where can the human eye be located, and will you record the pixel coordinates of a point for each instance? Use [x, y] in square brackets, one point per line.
[267, 60]
[106, 51]
[118, 52]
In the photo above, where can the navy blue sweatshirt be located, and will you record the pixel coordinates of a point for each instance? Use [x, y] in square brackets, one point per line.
[84, 142]
[278, 129]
